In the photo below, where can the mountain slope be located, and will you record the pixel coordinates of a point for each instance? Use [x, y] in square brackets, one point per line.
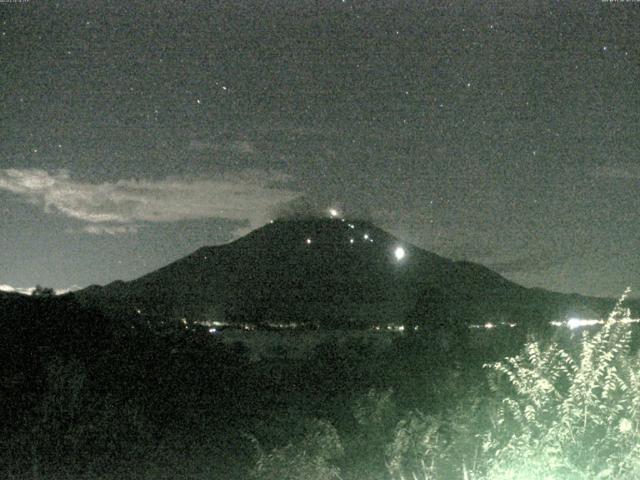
[325, 271]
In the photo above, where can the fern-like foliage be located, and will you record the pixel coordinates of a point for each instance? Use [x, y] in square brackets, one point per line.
[311, 458]
[569, 414]
[416, 447]
[439, 445]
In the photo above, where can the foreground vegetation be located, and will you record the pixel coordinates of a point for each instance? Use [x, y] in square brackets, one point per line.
[90, 397]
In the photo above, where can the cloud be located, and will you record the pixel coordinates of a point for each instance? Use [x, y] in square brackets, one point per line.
[62, 291]
[10, 289]
[30, 290]
[101, 229]
[627, 172]
[247, 197]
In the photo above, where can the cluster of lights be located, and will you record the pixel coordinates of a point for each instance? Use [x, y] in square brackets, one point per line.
[399, 252]
[391, 328]
[212, 323]
[366, 237]
[573, 323]
[491, 325]
[335, 213]
[245, 326]
[281, 326]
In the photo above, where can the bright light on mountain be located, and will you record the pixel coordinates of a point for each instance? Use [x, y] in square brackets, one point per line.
[333, 212]
[399, 253]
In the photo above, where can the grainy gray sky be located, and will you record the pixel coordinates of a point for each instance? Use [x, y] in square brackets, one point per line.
[506, 133]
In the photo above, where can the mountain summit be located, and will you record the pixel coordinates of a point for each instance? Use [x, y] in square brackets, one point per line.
[325, 272]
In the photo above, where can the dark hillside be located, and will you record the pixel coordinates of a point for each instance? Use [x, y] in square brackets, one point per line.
[326, 272]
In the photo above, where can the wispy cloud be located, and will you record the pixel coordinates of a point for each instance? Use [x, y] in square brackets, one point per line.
[29, 290]
[6, 288]
[246, 197]
[101, 229]
[9, 289]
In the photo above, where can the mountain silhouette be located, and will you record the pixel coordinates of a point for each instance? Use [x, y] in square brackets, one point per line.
[329, 272]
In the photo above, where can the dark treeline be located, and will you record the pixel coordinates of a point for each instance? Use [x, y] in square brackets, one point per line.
[84, 394]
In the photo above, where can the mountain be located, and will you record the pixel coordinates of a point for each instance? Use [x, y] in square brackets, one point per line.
[329, 272]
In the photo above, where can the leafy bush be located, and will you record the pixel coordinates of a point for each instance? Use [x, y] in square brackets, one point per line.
[569, 415]
[311, 458]
[553, 411]
[73, 429]
[416, 447]
[375, 414]
[442, 444]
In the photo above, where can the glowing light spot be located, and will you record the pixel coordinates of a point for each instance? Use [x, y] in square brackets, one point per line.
[366, 236]
[308, 241]
[625, 425]
[399, 253]
[333, 212]
[489, 325]
[574, 323]
[351, 240]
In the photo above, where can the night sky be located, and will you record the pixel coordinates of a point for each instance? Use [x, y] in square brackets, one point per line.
[505, 133]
